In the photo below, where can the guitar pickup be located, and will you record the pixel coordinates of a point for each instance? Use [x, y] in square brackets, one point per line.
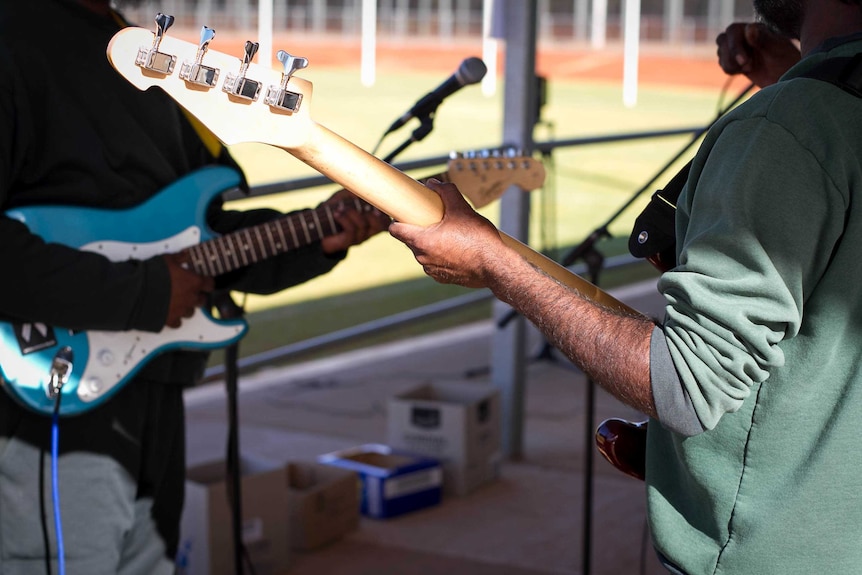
[195, 72]
[150, 58]
[237, 84]
[279, 96]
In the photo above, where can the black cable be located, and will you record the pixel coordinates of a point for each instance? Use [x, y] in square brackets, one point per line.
[234, 471]
[43, 510]
[229, 309]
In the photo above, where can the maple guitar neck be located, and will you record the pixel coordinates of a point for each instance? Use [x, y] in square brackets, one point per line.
[240, 101]
[409, 201]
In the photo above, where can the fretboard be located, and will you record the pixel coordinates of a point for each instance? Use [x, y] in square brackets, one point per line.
[250, 245]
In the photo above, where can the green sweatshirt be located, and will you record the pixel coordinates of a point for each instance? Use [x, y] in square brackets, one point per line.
[764, 328]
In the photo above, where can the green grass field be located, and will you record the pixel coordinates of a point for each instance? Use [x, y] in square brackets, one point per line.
[585, 186]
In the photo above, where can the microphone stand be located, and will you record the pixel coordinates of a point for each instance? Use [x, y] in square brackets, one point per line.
[228, 309]
[425, 126]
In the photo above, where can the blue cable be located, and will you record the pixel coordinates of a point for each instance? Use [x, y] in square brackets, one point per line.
[55, 487]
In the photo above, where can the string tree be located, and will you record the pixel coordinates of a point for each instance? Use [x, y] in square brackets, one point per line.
[149, 58]
[280, 97]
[237, 85]
[196, 73]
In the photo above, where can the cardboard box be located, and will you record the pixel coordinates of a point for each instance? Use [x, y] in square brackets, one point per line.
[457, 423]
[393, 482]
[206, 531]
[324, 503]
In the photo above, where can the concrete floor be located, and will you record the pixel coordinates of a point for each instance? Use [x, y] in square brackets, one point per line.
[530, 521]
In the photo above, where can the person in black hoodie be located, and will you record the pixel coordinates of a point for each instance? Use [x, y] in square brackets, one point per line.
[74, 132]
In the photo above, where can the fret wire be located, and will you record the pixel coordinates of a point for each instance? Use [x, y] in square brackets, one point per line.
[279, 227]
[217, 257]
[223, 250]
[211, 262]
[293, 231]
[259, 244]
[241, 246]
[318, 227]
[333, 225]
[305, 227]
[196, 259]
[274, 247]
[204, 262]
[251, 256]
[233, 251]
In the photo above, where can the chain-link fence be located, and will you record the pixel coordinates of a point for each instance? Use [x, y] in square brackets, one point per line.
[662, 21]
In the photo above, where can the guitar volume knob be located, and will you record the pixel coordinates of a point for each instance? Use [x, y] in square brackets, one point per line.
[106, 357]
[90, 388]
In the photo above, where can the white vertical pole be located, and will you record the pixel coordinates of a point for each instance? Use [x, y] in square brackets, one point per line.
[673, 15]
[489, 49]
[631, 49]
[264, 33]
[423, 16]
[599, 23]
[446, 19]
[579, 14]
[726, 14]
[318, 17]
[369, 42]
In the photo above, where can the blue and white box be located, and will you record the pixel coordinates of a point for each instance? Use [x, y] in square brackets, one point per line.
[393, 482]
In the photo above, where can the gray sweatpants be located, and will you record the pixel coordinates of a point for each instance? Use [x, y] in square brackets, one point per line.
[106, 530]
[121, 476]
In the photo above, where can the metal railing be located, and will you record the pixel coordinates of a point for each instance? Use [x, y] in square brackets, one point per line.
[390, 323]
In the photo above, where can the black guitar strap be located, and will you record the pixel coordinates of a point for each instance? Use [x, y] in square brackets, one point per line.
[653, 236]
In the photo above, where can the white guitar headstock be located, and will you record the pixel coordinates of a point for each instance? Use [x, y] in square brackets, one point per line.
[238, 100]
[483, 176]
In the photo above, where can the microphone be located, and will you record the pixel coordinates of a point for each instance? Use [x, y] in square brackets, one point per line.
[471, 71]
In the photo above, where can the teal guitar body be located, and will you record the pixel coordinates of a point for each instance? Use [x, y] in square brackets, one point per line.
[171, 221]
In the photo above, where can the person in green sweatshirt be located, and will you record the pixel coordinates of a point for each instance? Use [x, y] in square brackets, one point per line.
[75, 132]
[753, 376]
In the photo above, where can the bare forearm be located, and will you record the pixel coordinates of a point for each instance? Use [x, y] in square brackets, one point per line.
[611, 348]
[466, 249]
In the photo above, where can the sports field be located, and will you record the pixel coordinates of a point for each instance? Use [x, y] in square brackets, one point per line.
[585, 185]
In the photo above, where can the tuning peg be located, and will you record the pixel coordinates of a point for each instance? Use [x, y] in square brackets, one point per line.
[195, 72]
[163, 22]
[237, 84]
[279, 96]
[291, 64]
[150, 58]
